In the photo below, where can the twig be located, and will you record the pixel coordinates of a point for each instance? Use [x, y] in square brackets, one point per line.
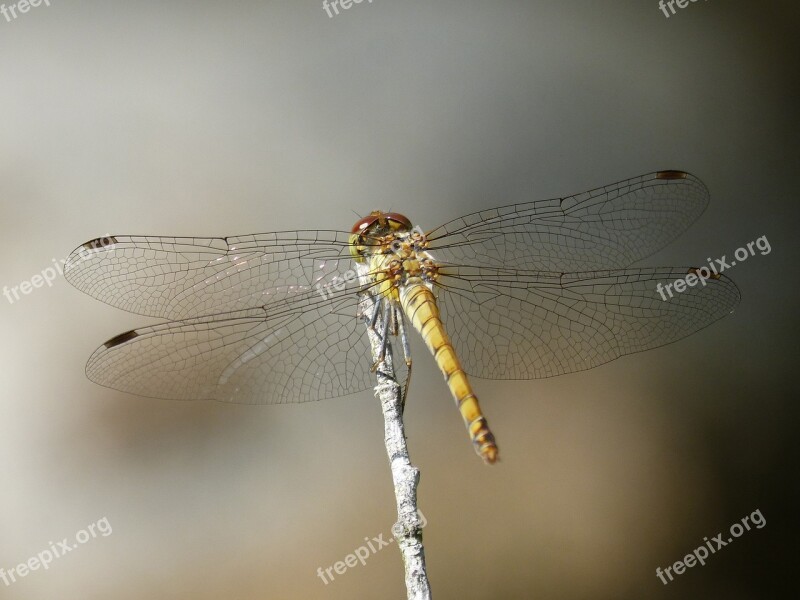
[408, 529]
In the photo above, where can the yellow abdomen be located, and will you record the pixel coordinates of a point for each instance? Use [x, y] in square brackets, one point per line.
[419, 304]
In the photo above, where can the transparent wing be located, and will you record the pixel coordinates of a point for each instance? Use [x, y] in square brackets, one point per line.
[509, 324]
[180, 277]
[606, 228]
[312, 350]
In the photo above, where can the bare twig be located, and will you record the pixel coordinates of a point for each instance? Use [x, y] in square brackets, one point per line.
[408, 529]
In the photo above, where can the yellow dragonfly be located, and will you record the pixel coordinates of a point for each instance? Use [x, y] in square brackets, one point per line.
[524, 291]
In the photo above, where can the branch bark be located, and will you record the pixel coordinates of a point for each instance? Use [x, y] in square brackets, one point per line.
[405, 476]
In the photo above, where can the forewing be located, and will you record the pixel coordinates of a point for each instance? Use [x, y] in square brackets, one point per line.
[180, 277]
[313, 351]
[605, 228]
[508, 324]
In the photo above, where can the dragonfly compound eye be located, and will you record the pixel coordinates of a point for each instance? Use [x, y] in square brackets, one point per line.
[397, 222]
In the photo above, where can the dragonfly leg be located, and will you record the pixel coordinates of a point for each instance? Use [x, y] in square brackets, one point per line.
[395, 319]
[374, 318]
[390, 324]
[401, 330]
[383, 333]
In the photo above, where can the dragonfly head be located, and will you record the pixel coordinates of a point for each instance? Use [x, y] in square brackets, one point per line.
[375, 225]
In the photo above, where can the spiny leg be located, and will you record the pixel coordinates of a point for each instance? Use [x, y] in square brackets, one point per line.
[401, 331]
[374, 318]
[393, 310]
[392, 324]
[383, 333]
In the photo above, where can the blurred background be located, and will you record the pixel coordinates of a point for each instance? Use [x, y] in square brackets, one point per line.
[204, 118]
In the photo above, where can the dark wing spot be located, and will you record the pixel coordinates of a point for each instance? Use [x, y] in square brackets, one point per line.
[102, 242]
[121, 338]
[671, 175]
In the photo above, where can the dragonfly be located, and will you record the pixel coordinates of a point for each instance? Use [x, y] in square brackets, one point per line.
[525, 291]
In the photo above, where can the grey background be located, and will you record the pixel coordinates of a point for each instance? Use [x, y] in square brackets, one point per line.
[201, 118]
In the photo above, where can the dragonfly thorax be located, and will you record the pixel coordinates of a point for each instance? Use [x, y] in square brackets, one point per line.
[391, 271]
[395, 252]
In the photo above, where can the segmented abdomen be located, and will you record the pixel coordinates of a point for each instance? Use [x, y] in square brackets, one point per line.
[419, 304]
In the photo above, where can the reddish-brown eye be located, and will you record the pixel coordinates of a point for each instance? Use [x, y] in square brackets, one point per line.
[398, 218]
[395, 221]
[362, 224]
